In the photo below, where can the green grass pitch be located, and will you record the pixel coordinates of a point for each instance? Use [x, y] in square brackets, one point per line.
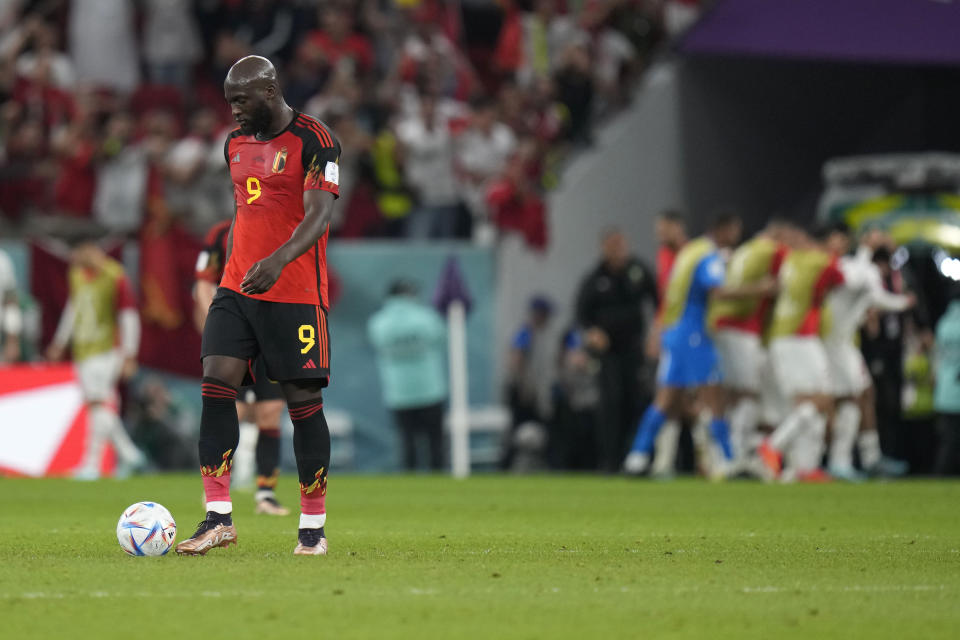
[495, 557]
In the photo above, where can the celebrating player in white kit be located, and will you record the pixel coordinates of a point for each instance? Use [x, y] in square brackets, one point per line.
[847, 307]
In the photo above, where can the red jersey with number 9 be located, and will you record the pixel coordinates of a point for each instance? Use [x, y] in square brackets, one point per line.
[269, 179]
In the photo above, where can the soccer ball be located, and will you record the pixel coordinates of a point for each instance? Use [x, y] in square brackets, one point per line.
[146, 529]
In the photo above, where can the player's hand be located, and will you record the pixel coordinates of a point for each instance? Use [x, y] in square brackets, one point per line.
[769, 286]
[262, 275]
[129, 368]
[911, 301]
[651, 345]
[55, 352]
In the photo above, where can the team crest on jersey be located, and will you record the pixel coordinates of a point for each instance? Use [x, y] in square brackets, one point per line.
[280, 160]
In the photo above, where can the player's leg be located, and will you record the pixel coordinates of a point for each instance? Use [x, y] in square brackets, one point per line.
[98, 377]
[713, 398]
[665, 450]
[294, 343]
[868, 441]
[847, 374]
[406, 425]
[806, 453]
[267, 414]
[803, 374]
[89, 468]
[843, 436]
[267, 411]
[311, 446]
[664, 403]
[740, 356]
[228, 345]
[433, 427]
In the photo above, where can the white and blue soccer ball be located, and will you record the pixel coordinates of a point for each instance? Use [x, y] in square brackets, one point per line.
[146, 529]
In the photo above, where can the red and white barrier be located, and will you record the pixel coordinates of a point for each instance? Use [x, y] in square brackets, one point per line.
[43, 421]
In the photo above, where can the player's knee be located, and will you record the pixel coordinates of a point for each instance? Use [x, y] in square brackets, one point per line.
[303, 391]
[225, 368]
[268, 413]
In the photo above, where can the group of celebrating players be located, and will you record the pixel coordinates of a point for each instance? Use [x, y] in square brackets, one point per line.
[758, 346]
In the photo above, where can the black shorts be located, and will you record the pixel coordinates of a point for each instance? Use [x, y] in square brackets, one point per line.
[263, 388]
[291, 340]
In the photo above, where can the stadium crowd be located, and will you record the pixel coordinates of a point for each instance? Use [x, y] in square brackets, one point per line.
[454, 118]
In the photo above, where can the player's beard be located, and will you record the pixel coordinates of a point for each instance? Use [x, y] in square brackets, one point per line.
[258, 122]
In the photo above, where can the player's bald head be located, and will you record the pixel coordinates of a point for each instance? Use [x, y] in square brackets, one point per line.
[255, 72]
[253, 93]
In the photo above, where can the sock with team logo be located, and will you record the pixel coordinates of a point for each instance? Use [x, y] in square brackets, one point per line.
[268, 460]
[647, 432]
[311, 445]
[219, 435]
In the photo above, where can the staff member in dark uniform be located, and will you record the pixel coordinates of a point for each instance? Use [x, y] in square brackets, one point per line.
[614, 305]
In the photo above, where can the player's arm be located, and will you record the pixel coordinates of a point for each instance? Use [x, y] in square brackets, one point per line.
[884, 300]
[129, 322]
[765, 287]
[710, 274]
[11, 321]
[317, 210]
[61, 338]
[203, 293]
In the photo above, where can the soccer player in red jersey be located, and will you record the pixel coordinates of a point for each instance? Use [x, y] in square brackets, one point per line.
[272, 302]
[261, 402]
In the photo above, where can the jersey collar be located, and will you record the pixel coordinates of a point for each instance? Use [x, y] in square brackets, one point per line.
[296, 114]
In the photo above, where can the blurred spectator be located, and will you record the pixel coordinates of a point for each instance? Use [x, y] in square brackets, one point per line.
[198, 182]
[428, 52]
[531, 44]
[119, 198]
[25, 171]
[11, 319]
[573, 439]
[410, 339]
[614, 304]
[514, 202]
[482, 154]
[335, 43]
[947, 393]
[427, 151]
[614, 58]
[103, 43]
[394, 199]
[171, 41]
[575, 90]
[530, 372]
[40, 43]
[679, 15]
[75, 146]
